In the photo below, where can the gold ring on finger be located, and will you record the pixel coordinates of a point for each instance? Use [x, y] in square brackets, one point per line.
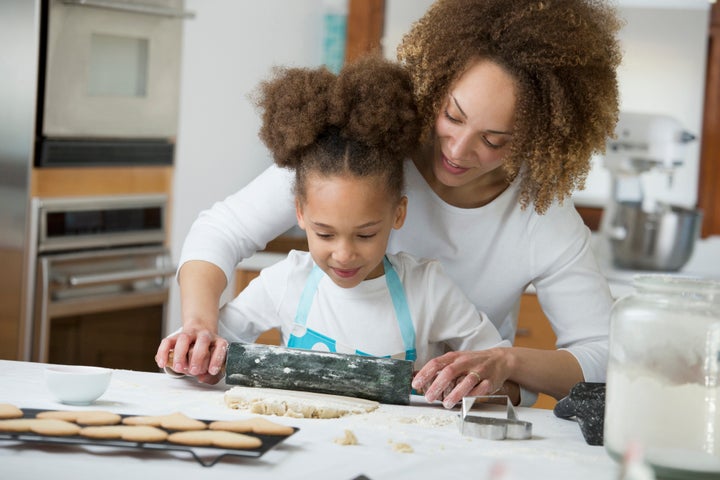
[476, 375]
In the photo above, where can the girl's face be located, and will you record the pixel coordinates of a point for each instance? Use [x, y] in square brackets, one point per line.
[348, 221]
[474, 128]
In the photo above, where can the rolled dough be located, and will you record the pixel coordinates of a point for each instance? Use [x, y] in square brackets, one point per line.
[291, 403]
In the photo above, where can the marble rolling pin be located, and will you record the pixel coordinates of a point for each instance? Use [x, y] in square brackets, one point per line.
[385, 380]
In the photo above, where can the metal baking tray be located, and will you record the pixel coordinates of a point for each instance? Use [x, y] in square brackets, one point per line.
[205, 456]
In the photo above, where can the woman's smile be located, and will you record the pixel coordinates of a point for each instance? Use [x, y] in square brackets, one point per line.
[451, 167]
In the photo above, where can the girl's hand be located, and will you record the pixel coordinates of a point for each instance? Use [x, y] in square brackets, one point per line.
[199, 353]
[455, 375]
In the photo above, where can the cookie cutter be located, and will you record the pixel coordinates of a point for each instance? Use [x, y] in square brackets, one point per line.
[492, 428]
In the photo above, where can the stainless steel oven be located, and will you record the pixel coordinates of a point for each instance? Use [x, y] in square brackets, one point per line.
[110, 81]
[101, 280]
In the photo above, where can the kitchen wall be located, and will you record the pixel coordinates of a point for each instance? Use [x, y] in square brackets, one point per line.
[231, 45]
[228, 48]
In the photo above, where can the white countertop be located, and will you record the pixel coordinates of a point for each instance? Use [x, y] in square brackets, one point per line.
[557, 449]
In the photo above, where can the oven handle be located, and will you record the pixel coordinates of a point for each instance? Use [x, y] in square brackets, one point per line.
[85, 280]
[133, 8]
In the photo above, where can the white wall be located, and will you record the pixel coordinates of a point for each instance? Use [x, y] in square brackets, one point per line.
[228, 48]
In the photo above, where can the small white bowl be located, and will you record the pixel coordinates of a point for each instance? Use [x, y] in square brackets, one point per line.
[77, 385]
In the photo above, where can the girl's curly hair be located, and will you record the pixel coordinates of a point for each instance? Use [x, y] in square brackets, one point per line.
[362, 122]
[563, 55]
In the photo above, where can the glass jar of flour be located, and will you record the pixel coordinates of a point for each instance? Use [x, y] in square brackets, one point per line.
[663, 381]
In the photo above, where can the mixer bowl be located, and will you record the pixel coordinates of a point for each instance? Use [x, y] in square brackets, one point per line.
[662, 239]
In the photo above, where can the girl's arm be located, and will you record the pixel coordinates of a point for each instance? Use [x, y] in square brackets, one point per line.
[231, 230]
[201, 285]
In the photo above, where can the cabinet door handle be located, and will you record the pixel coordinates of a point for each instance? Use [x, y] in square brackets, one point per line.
[132, 275]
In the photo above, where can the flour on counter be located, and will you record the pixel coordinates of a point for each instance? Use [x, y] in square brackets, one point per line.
[429, 420]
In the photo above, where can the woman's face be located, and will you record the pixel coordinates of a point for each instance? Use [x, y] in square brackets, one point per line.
[348, 221]
[474, 128]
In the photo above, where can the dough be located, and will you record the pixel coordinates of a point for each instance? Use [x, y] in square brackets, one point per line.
[290, 403]
[402, 447]
[348, 439]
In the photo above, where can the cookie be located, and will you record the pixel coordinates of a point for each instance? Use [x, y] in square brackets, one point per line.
[53, 427]
[130, 433]
[174, 421]
[15, 425]
[8, 410]
[215, 438]
[258, 425]
[83, 417]
[41, 426]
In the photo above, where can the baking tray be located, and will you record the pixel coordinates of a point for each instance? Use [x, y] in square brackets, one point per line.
[205, 456]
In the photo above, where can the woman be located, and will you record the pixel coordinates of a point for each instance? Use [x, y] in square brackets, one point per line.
[516, 97]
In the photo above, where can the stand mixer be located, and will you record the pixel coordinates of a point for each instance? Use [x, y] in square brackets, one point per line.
[644, 233]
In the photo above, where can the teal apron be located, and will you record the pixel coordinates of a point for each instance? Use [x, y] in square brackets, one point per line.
[309, 339]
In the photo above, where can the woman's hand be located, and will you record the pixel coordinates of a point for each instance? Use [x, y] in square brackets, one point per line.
[455, 375]
[199, 353]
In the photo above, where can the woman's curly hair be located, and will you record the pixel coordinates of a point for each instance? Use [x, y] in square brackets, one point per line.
[563, 55]
[362, 122]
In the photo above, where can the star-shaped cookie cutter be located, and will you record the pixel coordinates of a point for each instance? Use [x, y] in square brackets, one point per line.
[489, 427]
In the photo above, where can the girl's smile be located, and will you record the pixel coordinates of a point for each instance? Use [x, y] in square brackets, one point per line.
[345, 273]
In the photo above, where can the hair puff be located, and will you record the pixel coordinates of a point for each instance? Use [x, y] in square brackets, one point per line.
[372, 103]
[294, 103]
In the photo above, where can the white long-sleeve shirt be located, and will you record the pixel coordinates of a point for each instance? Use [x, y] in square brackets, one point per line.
[493, 253]
[362, 317]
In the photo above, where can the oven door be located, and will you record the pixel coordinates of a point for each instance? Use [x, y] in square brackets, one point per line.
[112, 68]
[104, 307]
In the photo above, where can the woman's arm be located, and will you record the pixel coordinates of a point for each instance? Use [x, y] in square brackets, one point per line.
[575, 298]
[552, 372]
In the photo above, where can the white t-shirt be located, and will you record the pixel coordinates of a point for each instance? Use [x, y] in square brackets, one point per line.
[362, 317]
[492, 253]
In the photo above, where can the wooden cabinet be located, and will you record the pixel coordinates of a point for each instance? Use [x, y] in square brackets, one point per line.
[708, 193]
[81, 181]
[534, 331]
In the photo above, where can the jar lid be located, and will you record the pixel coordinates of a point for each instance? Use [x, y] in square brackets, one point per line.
[677, 284]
